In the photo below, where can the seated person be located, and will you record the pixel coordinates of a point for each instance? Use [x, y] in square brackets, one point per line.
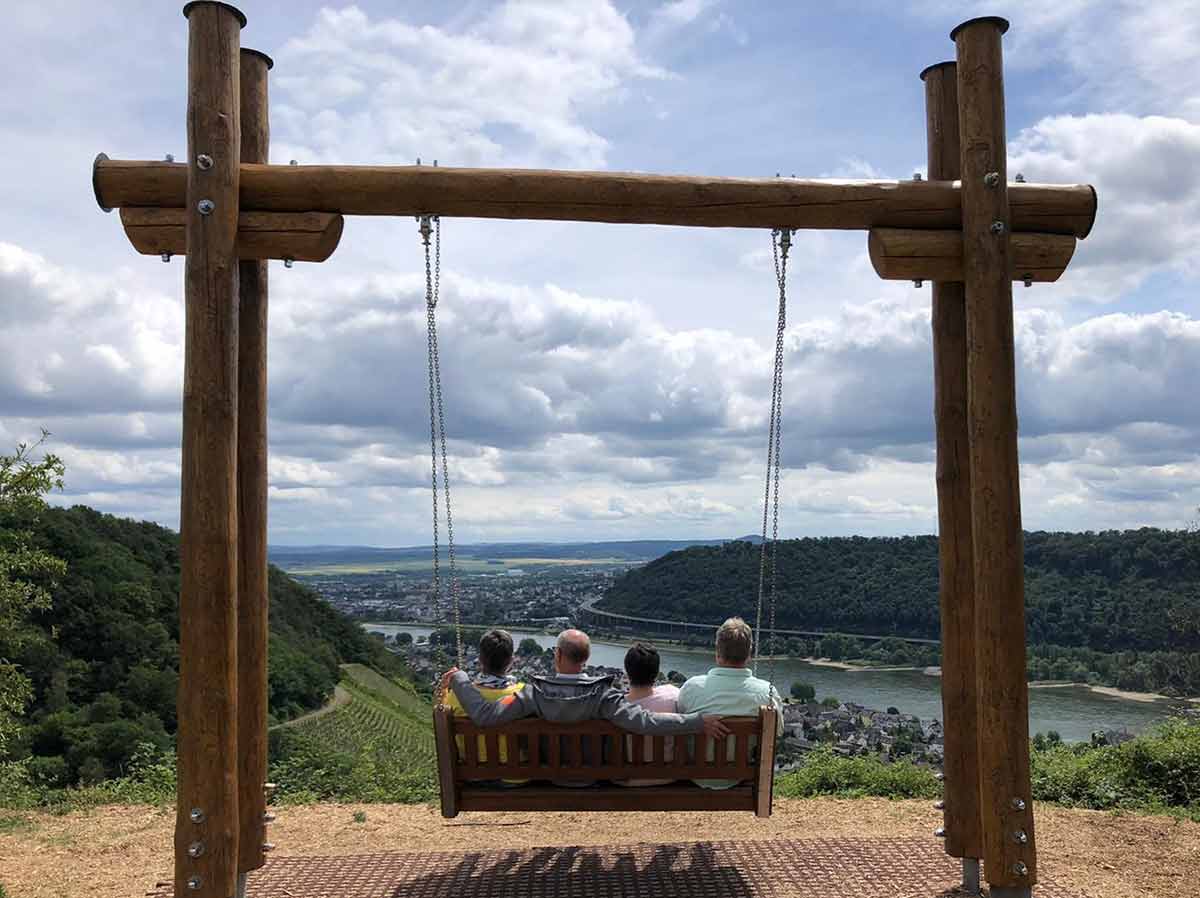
[570, 696]
[642, 665]
[493, 682]
[730, 688]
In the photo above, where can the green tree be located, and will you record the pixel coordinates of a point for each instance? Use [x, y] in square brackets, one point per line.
[26, 572]
[529, 646]
[804, 692]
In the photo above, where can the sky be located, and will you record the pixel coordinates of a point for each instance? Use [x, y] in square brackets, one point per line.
[610, 381]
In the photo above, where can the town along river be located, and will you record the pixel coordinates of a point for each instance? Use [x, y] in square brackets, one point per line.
[1075, 712]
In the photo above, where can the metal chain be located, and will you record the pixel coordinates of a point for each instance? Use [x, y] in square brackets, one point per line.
[432, 225]
[781, 242]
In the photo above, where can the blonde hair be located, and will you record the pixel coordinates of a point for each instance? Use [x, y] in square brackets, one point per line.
[735, 641]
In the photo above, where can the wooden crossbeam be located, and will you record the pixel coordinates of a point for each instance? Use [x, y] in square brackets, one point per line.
[300, 236]
[906, 254]
[616, 197]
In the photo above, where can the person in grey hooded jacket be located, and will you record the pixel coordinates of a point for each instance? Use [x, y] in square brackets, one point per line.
[569, 696]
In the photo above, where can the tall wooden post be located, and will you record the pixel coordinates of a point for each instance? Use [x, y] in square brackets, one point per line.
[956, 589]
[207, 818]
[252, 497]
[1008, 838]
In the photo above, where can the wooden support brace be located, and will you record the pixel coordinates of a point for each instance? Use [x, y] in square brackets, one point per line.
[618, 197]
[252, 492]
[905, 254]
[956, 572]
[206, 828]
[1005, 800]
[300, 236]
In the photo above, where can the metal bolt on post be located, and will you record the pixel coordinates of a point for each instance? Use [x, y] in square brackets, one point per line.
[204, 162]
[196, 815]
[205, 207]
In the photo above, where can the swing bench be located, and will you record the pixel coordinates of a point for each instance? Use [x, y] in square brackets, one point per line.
[600, 751]
[547, 752]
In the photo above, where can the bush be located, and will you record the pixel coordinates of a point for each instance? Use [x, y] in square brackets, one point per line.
[529, 647]
[825, 773]
[1158, 770]
[830, 702]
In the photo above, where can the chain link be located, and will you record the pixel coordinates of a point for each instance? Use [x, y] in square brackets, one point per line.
[437, 427]
[781, 242]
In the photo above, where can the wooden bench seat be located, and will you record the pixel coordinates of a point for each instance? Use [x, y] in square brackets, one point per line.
[469, 763]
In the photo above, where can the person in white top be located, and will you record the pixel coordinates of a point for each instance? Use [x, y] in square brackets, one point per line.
[642, 665]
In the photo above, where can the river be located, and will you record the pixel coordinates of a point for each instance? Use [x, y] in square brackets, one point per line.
[1074, 711]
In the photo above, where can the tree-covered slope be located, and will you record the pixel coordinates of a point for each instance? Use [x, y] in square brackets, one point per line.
[1110, 592]
[103, 659]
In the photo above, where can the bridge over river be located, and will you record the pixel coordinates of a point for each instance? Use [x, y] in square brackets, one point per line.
[589, 615]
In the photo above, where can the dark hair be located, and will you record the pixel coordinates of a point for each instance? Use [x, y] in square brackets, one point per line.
[641, 664]
[495, 651]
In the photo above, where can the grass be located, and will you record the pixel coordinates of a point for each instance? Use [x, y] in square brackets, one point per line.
[15, 823]
[825, 773]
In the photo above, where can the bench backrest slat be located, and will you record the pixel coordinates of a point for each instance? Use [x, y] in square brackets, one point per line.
[596, 749]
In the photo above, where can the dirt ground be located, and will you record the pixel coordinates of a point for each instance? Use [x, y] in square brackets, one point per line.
[116, 852]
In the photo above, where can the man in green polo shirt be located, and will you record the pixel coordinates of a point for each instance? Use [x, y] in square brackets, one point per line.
[729, 688]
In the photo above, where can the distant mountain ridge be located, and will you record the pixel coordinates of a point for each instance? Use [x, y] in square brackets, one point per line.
[1111, 591]
[629, 550]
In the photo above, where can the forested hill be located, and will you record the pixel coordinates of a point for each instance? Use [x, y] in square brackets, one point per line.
[104, 657]
[1110, 592]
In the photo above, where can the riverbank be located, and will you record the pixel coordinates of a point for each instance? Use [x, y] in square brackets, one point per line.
[114, 852]
[1144, 697]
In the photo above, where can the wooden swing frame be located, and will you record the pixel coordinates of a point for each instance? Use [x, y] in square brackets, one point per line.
[228, 210]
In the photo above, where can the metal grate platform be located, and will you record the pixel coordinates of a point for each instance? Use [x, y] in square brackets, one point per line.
[810, 868]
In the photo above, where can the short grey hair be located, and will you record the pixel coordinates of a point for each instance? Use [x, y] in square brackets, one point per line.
[735, 641]
[574, 645]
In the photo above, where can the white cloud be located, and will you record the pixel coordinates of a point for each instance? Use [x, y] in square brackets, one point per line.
[1147, 175]
[573, 415]
[511, 89]
[1128, 54]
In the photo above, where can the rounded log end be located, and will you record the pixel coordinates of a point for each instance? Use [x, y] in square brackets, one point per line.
[331, 238]
[1095, 207]
[999, 21]
[100, 157]
[188, 7]
[877, 252]
[246, 51]
[937, 65]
